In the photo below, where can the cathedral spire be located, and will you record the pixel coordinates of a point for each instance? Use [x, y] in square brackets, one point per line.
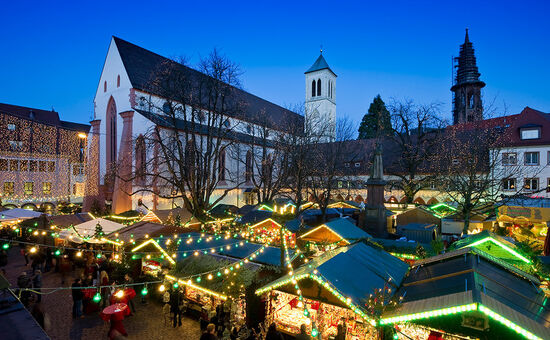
[467, 105]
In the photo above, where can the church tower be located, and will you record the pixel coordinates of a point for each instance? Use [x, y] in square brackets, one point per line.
[467, 104]
[320, 115]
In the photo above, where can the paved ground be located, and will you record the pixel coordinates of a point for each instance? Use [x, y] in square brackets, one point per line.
[147, 323]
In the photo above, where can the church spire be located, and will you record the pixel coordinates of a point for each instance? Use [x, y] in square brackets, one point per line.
[467, 105]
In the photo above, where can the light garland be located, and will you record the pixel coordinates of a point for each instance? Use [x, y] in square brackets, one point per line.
[461, 309]
[500, 244]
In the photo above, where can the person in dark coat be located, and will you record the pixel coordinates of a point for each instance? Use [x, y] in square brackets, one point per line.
[209, 333]
[175, 307]
[303, 333]
[341, 334]
[77, 298]
[273, 333]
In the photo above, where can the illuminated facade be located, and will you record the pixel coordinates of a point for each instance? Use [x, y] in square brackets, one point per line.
[42, 158]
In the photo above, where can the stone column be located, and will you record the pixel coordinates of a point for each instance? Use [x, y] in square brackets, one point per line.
[91, 190]
[122, 201]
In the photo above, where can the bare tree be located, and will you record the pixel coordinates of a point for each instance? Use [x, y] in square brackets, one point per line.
[327, 165]
[194, 126]
[474, 172]
[265, 159]
[416, 132]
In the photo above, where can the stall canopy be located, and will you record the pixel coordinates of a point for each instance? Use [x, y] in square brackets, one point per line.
[341, 231]
[353, 271]
[223, 211]
[84, 232]
[142, 230]
[420, 232]
[492, 244]
[18, 214]
[502, 299]
[255, 216]
[231, 247]
[64, 221]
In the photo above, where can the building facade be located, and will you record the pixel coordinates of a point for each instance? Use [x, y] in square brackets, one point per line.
[42, 158]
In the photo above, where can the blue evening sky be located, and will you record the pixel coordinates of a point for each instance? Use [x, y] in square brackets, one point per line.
[52, 52]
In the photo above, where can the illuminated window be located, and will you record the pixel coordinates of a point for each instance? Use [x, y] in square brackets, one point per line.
[509, 184]
[531, 158]
[11, 127]
[16, 145]
[29, 188]
[509, 158]
[47, 188]
[3, 165]
[24, 165]
[531, 184]
[8, 188]
[51, 166]
[530, 133]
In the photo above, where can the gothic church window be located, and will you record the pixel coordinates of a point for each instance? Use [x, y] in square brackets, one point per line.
[118, 81]
[313, 88]
[318, 87]
[248, 165]
[471, 102]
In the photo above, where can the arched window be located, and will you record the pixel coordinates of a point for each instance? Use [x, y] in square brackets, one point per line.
[140, 160]
[105, 86]
[330, 88]
[118, 81]
[313, 88]
[471, 102]
[248, 166]
[221, 166]
[111, 120]
[319, 87]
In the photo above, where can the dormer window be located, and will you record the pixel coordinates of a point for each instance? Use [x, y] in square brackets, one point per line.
[527, 133]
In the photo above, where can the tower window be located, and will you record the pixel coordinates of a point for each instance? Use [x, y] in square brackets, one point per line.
[118, 81]
[313, 88]
[471, 102]
[105, 86]
[319, 87]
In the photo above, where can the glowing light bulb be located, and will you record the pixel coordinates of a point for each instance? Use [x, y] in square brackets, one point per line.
[78, 254]
[33, 250]
[162, 288]
[119, 294]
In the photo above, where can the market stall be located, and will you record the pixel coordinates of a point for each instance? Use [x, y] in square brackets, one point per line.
[333, 286]
[469, 292]
[92, 231]
[338, 232]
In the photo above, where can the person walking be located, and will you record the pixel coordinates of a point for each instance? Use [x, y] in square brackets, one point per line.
[105, 289]
[209, 333]
[175, 307]
[37, 284]
[77, 298]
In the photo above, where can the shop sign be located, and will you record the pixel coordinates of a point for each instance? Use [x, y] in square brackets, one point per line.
[477, 321]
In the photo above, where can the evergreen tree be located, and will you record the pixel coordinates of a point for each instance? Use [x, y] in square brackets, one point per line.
[377, 121]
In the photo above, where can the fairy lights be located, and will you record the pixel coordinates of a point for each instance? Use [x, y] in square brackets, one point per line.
[189, 283]
[461, 309]
[500, 244]
[153, 242]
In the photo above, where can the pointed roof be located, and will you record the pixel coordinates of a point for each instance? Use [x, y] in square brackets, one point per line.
[143, 66]
[319, 64]
[467, 71]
